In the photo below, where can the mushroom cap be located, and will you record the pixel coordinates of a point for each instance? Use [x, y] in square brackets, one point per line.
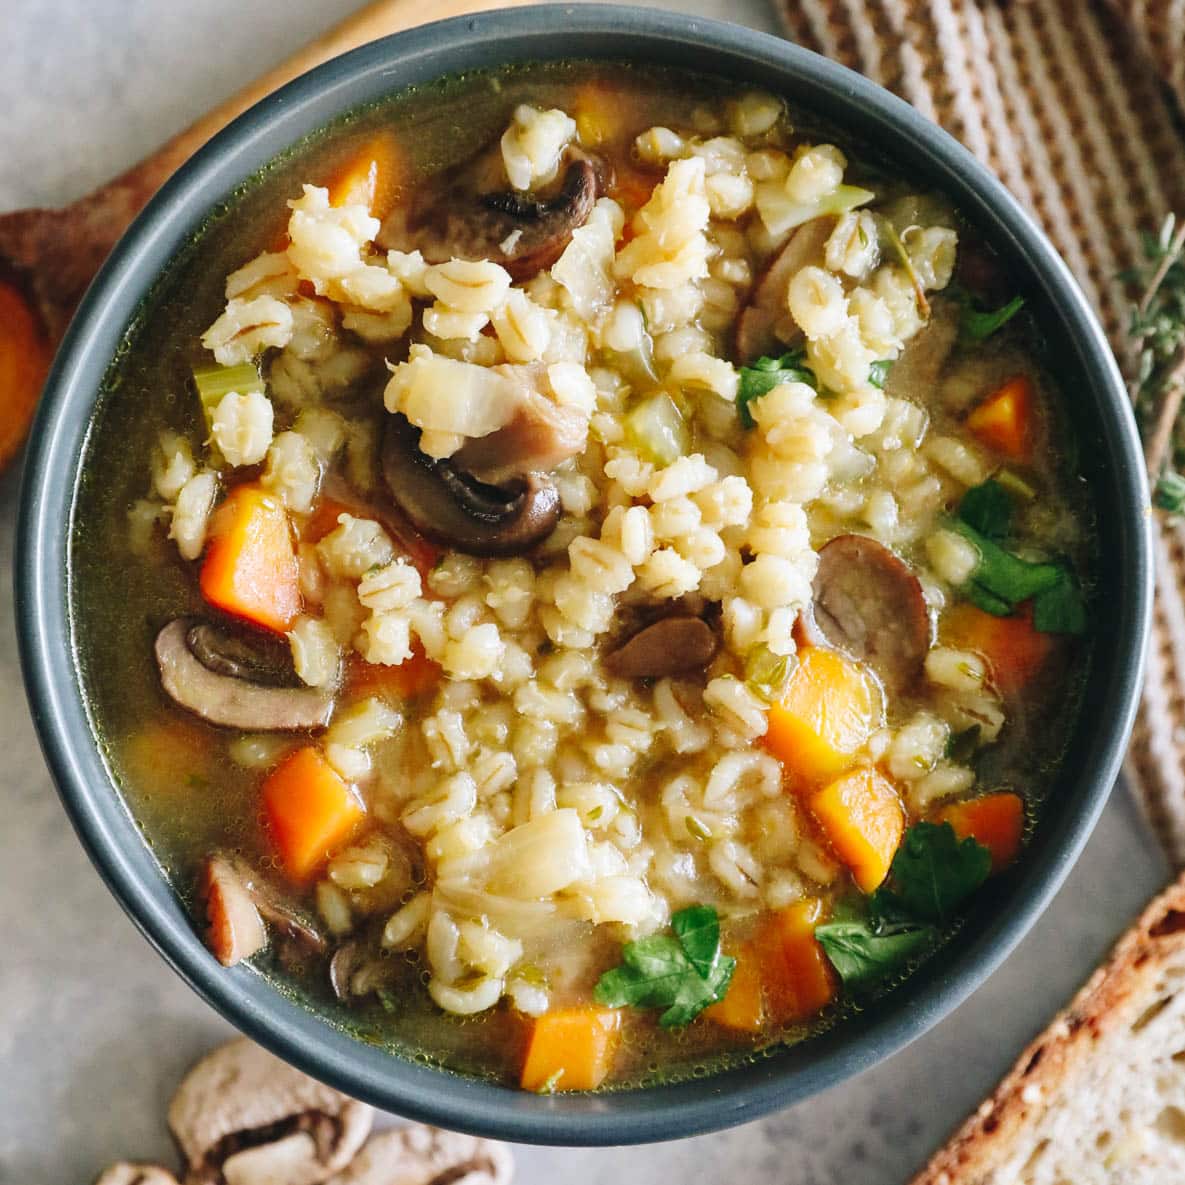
[670, 646]
[127, 1172]
[868, 603]
[228, 699]
[244, 1117]
[421, 1155]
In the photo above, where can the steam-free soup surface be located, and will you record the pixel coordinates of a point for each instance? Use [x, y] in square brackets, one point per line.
[579, 575]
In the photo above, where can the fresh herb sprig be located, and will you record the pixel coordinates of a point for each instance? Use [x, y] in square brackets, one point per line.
[933, 874]
[1157, 329]
[681, 973]
[767, 373]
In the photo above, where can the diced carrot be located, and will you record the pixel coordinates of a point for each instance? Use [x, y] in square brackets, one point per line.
[862, 816]
[24, 362]
[1004, 420]
[419, 674]
[996, 820]
[1014, 649]
[250, 566]
[798, 977]
[310, 809]
[743, 1007]
[371, 177]
[571, 1049]
[830, 708]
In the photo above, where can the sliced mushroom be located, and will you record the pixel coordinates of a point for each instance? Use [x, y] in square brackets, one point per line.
[419, 1155]
[243, 1117]
[924, 358]
[671, 646]
[522, 234]
[127, 1172]
[759, 322]
[449, 505]
[238, 901]
[232, 700]
[869, 604]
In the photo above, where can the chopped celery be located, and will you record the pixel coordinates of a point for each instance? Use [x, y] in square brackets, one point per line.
[781, 213]
[1016, 485]
[767, 673]
[657, 431]
[213, 382]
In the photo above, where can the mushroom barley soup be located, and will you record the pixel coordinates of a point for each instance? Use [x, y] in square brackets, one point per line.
[579, 575]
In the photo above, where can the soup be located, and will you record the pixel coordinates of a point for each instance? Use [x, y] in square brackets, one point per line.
[580, 575]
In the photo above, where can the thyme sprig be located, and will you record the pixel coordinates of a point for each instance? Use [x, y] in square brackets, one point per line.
[1157, 329]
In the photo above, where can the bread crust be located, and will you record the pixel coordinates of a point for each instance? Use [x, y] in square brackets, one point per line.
[1114, 996]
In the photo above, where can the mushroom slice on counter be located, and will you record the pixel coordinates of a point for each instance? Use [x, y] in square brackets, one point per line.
[419, 1155]
[127, 1172]
[670, 646]
[869, 603]
[238, 901]
[449, 505]
[766, 309]
[243, 1117]
[207, 671]
[523, 234]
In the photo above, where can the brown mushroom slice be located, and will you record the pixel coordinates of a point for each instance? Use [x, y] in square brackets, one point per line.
[243, 1117]
[924, 358]
[238, 901]
[869, 603]
[127, 1172]
[228, 699]
[235, 929]
[420, 1155]
[523, 234]
[670, 646]
[451, 506]
[766, 308]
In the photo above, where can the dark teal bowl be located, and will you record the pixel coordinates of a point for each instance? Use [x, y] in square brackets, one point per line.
[1110, 461]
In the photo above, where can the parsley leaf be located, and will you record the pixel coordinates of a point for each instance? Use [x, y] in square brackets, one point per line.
[987, 508]
[976, 325]
[933, 873]
[1059, 609]
[681, 974]
[878, 372]
[862, 954]
[767, 373]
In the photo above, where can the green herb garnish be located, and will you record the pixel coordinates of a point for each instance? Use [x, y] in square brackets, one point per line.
[932, 875]
[878, 372]
[976, 325]
[681, 974]
[988, 508]
[962, 746]
[767, 373]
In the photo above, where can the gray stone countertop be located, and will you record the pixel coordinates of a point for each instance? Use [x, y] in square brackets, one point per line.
[94, 1028]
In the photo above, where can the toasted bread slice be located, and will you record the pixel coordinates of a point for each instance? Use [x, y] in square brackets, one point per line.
[1099, 1096]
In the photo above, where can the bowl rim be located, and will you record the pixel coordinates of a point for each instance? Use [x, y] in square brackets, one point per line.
[49, 659]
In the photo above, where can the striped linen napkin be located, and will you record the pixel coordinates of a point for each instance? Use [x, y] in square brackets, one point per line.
[1079, 108]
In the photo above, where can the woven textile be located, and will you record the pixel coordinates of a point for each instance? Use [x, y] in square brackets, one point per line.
[1077, 107]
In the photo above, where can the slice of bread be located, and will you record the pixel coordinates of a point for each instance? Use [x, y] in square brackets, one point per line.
[1099, 1096]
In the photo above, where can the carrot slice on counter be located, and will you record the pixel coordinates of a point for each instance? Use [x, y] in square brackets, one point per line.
[1014, 648]
[863, 819]
[372, 177]
[418, 675]
[250, 568]
[571, 1049]
[799, 980]
[24, 362]
[996, 820]
[743, 1007]
[831, 707]
[310, 809]
[1004, 420]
